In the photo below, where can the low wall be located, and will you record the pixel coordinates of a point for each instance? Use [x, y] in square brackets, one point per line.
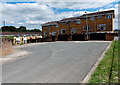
[5, 47]
[110, 36]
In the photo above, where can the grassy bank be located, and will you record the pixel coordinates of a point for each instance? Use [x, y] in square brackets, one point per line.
[107, 70]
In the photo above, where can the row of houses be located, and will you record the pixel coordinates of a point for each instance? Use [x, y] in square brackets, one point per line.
[91, 26]
[22, 37]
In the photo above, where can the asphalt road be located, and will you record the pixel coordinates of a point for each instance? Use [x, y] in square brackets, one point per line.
[59, 62]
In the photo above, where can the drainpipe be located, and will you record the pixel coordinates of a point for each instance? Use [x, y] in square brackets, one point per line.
[86, 25]
[69, 29]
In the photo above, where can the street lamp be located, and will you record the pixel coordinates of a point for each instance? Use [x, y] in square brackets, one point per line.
[86, 25]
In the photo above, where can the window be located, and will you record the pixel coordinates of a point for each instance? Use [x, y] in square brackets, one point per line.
[85, 28]
[57, 26]
[100, 16]
[77, 22]
[48, 27]
[84, 18]
[73, 30]
[101, 27]
[45, 34]
[63, 31]
[108, 16]
[92, 18]
[53, 33]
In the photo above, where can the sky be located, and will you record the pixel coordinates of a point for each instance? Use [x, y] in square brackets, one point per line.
[33, 13]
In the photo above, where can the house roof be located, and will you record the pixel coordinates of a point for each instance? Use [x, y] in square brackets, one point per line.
[55, 22]
[79, 17]
[101, 12]
[71, 18]
[49, 23]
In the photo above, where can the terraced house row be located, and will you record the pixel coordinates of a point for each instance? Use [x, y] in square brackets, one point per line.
[92, 26]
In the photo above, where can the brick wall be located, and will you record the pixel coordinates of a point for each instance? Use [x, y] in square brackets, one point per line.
[79, 27]
[5, 47]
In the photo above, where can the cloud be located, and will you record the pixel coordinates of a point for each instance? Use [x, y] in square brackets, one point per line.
[116, 15]
[13, 13]
[106, 1]
[16, 0]
[32, 15]
[75, 5]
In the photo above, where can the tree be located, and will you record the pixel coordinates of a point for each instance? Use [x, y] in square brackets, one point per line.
[8, 29]
[22, 29]
[35, 30]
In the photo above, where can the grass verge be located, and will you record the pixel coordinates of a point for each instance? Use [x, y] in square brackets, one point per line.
[108, 69]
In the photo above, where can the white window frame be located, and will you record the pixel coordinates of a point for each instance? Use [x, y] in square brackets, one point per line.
[108, 16]
[92, 18]
[100, 25]
[78, 22]
[57, 26]
[99, 16]
[85, 29]
[54, 33]
[73, 30]
[45, 34]
[62, 30]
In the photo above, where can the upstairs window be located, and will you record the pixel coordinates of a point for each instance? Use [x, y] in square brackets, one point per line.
[108, 16]
[101, 27]
[77, 22]
[53, 33]
[92, 18]
[100, 16]
[84, 18]
[63, 31]
[48, 27]
[57, 26]
[73, 30]
[45, 34]
[86, 28]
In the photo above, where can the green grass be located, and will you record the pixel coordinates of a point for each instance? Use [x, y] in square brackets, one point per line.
[107, 71]
[21, 43]
[8, 37]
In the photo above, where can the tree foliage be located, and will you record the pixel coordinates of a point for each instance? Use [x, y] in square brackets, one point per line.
[20, 29]
[9, 29]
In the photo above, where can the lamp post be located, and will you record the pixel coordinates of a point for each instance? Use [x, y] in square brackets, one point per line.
[87, 26]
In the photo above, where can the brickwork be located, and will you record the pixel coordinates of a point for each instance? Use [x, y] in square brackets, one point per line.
[5, 47]
[94, 22]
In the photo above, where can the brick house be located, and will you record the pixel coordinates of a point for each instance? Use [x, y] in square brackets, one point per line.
[92, 26]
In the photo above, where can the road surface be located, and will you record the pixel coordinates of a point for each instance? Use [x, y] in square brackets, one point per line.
[59, 62]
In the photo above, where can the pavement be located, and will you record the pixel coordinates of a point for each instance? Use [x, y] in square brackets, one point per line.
[57, 62]
[17, 53]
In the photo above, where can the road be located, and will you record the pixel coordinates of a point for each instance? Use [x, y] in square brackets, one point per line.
[59, 62]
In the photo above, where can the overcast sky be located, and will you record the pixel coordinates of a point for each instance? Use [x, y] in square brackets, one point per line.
[33, 13]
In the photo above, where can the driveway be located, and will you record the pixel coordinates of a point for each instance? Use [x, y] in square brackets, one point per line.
[59, 62]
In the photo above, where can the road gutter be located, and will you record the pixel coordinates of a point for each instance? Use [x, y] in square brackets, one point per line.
[88, 76]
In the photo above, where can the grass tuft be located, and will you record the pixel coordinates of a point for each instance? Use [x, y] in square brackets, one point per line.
[107, 70]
